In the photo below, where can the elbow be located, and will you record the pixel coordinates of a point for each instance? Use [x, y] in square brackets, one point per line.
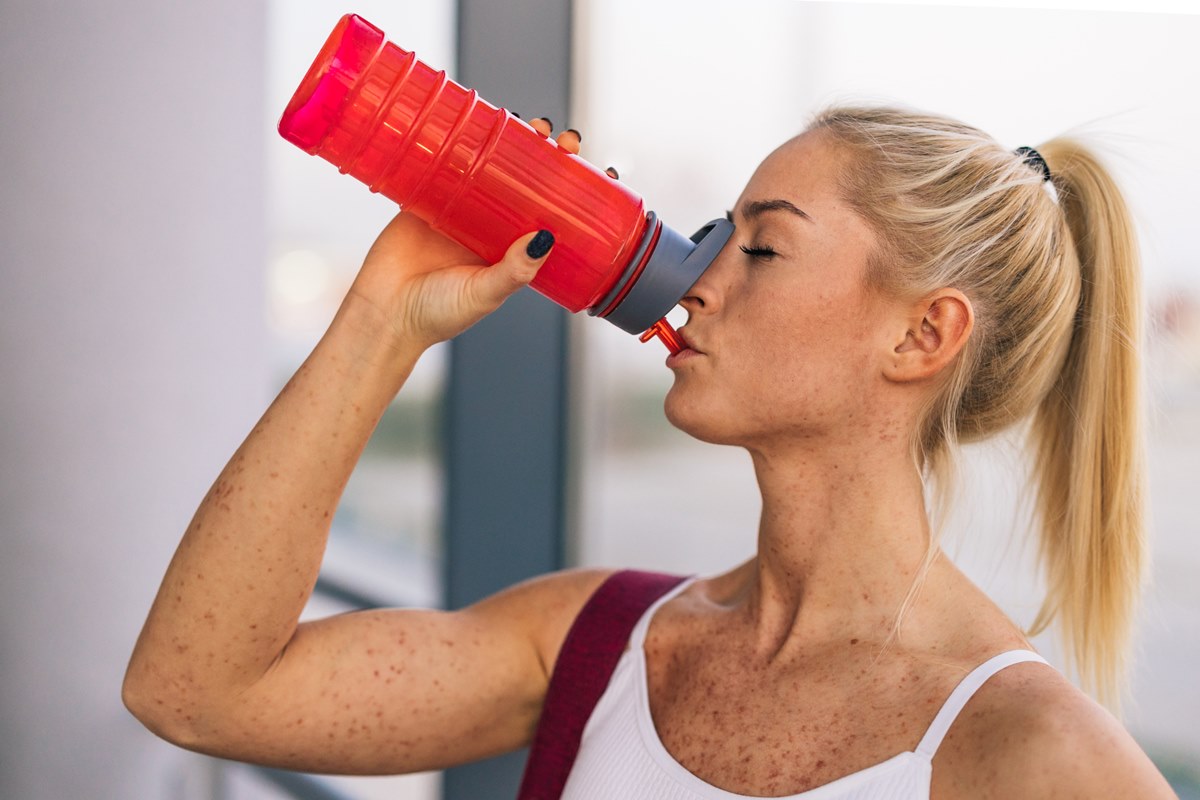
[135, 696]
[167, 714]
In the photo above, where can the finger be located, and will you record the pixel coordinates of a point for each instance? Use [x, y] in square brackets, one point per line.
[569, 140]
[518, 267]
[543, 125]
[612, 173]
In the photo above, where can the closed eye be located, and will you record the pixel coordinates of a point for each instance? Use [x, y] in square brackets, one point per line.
[761, 252]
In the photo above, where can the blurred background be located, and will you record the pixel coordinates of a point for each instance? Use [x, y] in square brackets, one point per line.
[168, 261]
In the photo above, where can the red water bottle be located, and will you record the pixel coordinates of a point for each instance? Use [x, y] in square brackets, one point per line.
[483, 177]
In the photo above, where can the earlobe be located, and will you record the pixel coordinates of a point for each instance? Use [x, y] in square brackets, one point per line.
[937, 330]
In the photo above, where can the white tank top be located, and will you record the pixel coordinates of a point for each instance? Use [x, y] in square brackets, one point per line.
[622, 756]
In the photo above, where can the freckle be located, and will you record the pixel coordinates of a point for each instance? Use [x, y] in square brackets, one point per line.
[326, 515]
[376, 673]
[253, 627]
[854, 641]
[274, 474]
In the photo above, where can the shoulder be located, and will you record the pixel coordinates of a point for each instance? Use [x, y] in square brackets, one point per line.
[1028, 732]
[542, 608]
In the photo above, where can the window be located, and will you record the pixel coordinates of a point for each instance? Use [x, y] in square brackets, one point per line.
[385, 542]
[687, 123]
[321, 225]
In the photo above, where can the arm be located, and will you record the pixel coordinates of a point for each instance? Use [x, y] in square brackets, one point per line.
[222, 665]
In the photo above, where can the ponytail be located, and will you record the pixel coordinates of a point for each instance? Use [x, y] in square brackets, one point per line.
[1057, 328]
[1089, 471]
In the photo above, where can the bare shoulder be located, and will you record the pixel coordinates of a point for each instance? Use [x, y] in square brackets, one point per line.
[545, 606]
[1028, 732]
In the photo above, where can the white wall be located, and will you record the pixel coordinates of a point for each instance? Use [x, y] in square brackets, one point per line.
[131, 354]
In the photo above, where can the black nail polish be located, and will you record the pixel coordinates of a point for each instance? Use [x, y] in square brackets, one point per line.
[548, 121]
[612, 171]
[515, 114]
[578, 135]
[540, 245]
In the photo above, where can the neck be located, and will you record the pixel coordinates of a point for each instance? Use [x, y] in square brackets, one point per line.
[842, 537]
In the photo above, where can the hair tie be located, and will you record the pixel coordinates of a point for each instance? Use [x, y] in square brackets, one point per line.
[1034, 159]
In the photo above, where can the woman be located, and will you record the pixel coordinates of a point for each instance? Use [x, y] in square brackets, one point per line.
[897, 283]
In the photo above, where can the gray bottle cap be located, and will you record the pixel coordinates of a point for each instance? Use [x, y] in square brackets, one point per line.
[675, 265]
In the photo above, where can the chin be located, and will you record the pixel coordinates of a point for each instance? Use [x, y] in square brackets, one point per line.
[698, 421]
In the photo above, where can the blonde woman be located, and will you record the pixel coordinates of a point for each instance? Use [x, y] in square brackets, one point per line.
[897, 283]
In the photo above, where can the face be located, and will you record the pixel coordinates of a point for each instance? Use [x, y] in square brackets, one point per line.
[784, 336]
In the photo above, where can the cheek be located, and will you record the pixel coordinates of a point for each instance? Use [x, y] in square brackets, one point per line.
[805, 358]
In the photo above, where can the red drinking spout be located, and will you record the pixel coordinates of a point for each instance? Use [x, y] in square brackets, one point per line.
[483, 177]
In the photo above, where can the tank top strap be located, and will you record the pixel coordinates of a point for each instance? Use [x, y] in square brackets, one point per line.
[965, 691]
[638, 635]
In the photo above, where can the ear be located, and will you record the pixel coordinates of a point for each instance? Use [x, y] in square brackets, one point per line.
[935, 330]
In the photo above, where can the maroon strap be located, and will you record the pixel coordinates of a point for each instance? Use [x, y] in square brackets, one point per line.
[585, 663]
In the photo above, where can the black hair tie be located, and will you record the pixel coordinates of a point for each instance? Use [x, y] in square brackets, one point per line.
[1034, 159]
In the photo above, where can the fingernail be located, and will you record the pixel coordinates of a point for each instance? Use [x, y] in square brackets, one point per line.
[613, 172]
[540, 245]
[548, 121]
[515, 114]
[578, 135]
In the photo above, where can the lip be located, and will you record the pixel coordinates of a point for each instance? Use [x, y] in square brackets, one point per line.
[689, 351]
[687, 340]
[675, 359]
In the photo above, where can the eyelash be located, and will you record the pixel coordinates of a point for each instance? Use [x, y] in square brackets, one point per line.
[761, 252]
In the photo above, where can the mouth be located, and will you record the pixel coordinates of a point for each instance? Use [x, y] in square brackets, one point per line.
[688, 341]
[689, 351]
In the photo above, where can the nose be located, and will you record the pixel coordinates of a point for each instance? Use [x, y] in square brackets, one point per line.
[706, 293]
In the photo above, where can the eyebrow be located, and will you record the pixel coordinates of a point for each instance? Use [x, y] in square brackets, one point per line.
[759, 207]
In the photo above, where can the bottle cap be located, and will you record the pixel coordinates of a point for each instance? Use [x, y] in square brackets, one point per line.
[674, 265]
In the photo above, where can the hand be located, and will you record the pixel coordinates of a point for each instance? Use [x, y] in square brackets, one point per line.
[569, 140]
[429, 288]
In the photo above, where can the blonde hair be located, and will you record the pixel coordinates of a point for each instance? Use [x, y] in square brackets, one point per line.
[1053, 276]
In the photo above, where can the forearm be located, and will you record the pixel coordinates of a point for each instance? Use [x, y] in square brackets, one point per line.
[233, 594]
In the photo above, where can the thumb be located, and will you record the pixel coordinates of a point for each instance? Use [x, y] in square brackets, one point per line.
[518, 267]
